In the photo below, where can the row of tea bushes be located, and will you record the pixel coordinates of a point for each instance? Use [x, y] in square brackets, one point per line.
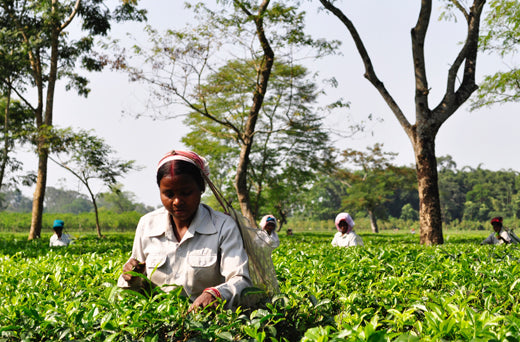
[391, 289]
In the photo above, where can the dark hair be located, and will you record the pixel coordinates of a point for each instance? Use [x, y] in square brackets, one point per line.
[181, 167]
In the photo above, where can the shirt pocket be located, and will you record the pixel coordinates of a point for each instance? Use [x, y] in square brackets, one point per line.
[203, 271]
[196, 260]
[155, 261]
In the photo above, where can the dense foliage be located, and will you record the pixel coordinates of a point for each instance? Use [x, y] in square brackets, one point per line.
[476, 193]
[468, 196]
[391, 289]
[500, 37]
[473, 194]
[83, 222]
[74, 202]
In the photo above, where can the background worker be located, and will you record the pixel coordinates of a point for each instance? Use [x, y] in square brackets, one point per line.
[59, 238]
[268, 237]
[500, 234]
[346, 237]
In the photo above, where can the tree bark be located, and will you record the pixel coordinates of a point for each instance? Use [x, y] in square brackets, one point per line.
[430, 218]
[241, 184]
[96, 211]
[247, 136]
[43, 151]
[373, 221]
[282, 216]
[39, 196]
[5, 151]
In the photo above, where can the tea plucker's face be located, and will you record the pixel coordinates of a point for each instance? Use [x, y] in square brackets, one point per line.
[269, 227]
[496, 227]
[343, 226]
[180, 196]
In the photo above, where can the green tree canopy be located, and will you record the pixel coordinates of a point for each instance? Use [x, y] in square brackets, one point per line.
[89, 159]
[501, 37]
[290, 142]
[220, 71]
[374, 182]
[35, 42]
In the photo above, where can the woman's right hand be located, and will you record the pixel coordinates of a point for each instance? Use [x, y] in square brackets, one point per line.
[132, 265]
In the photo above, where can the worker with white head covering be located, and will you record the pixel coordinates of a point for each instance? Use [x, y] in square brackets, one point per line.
[346, 237]
[267, 236]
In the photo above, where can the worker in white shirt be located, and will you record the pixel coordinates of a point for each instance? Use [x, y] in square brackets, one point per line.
[267, 237]
[186, 243]
[59, 238]
[346, 237]
[500, 234]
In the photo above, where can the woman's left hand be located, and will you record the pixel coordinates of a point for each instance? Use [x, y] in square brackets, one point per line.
[203, 301]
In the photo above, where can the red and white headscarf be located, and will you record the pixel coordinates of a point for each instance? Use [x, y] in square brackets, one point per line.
[188, 156]
[347, 218]
[265, 219]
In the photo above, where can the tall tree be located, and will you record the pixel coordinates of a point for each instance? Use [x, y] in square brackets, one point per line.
[290, 143]
[43, 47]
[428, 120]
[89, 158]
[501, 36]
[188, 69]
[17, 118]
[374, 182]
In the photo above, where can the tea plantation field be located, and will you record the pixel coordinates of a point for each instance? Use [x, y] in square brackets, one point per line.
[392, 289]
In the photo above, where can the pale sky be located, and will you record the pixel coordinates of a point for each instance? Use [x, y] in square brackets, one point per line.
[487, 137]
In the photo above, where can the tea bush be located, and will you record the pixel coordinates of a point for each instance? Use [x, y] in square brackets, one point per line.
[393, 289]
[83, 222]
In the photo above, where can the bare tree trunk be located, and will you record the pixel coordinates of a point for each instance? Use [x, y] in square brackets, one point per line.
[241, 184]
[282, 216]
[43, 152]
[263, 74]
[39, 196]
[98, 227]
[430, 218]
[373, 221]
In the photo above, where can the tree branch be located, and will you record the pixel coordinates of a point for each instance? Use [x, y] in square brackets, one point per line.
[454, 98]
[369, 69]
[418, 34]
[9, 84]
[71, 16]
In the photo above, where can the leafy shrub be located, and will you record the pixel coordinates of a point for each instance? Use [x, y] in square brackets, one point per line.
[393, 289]
[83, 222]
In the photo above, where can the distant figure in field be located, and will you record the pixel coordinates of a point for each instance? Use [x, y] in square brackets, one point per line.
[267, 236]
[346, 237]
[501, 235]
[59, 238]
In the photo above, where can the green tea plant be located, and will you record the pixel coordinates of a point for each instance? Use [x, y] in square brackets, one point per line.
[392, 289]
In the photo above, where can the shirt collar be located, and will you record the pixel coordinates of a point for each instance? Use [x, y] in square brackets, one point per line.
[202, 223]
